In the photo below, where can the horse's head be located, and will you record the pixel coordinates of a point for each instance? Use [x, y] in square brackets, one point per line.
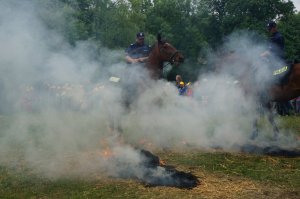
[169, 53]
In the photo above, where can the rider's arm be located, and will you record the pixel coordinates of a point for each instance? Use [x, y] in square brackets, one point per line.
[130, 59]
[139, 55]
[142, 59]
[137, 60]
[265, 53]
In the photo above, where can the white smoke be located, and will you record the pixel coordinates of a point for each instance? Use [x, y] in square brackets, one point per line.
[61, 112]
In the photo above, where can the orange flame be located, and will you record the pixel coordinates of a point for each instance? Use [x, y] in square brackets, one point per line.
[106, 153]
[162, 163]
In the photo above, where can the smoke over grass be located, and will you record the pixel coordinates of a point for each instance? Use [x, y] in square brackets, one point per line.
[60, 108]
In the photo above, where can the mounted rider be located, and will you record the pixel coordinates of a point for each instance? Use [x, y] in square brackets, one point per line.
[280, 69]
[138, 52]
[277, 46]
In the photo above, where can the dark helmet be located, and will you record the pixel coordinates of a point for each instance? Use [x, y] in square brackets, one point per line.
[140, 35]
[271, 25]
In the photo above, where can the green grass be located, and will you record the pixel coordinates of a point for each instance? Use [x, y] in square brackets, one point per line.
[273, 171]
[279, 170]
[290, 122]
[222, 175]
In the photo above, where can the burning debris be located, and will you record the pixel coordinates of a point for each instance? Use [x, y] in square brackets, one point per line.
[271, 150]
[171, 177]
[147, 168]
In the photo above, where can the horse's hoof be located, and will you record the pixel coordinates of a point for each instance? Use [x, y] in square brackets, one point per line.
[275, 137]
[254, 135]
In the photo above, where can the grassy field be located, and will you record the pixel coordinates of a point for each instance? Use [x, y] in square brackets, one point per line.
[222, 175]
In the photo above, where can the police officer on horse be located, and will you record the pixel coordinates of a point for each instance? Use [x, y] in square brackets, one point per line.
[276, 46]
[138, 52]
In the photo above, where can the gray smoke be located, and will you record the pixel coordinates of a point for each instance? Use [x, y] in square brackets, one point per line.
[62, 114]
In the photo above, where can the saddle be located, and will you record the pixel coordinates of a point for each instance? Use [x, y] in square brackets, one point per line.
[278, 75]
[281, 73]
[278, 72]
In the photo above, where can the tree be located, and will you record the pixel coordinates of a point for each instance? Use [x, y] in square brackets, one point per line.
[290, 28]
[232, 15]
[193, 26]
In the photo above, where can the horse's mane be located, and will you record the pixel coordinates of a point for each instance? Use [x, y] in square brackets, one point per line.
[159, 40]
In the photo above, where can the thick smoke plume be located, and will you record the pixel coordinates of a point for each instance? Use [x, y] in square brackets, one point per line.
[62, 115]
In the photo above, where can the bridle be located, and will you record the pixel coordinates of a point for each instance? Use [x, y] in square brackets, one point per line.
[172, 56]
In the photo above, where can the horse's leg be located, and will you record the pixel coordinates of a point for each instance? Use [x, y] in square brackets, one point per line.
[274, 125]
[114, 126]
[114, 123]
[272, 121]
[255, 129]
[259, 112]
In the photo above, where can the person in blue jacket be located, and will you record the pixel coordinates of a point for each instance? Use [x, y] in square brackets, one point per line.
[182, 89]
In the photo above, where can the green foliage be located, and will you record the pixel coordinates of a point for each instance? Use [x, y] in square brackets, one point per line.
[232, 15]
[290, 28]
[193, 26]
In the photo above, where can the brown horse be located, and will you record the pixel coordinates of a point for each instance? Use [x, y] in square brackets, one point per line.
[288, 91]
[265, 95]
[280, 93]
[161, 52]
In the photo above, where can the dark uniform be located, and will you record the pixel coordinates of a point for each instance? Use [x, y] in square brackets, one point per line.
[276, 47]
[136, 51]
